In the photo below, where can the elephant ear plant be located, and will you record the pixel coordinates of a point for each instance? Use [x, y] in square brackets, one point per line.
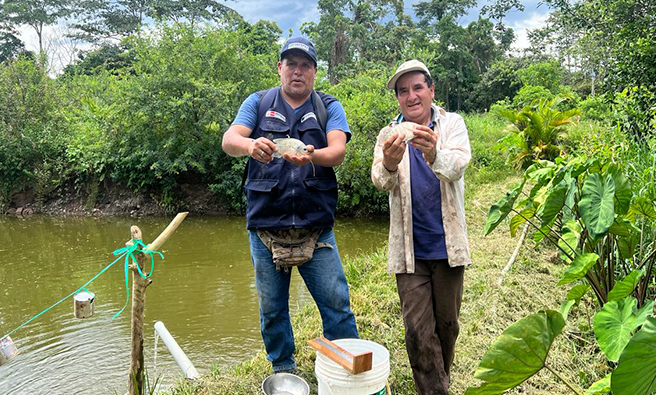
[606, 235]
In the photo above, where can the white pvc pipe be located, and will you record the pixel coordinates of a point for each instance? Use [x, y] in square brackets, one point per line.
[181, 359]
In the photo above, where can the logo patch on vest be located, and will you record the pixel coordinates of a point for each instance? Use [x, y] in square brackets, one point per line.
[308, 116]
[275, 114]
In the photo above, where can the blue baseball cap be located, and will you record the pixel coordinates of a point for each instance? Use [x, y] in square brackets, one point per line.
[299, 44]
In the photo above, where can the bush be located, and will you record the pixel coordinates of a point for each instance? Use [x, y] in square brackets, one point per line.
[31, 130]
[530, 94]
[596, 108]
[546, 74]
[635, 111]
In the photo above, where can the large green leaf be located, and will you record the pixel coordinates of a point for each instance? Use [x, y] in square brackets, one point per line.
[579, 268]
[520, 218]
[518, 353]
[636, 372]
[553, 203]
[601, 387]
[628, 245]
[569, 239]
[625, 286]
[646, 311]
[500, 210]
[622, 227]
[597, 203]
[577, 292]
[623, 193]
[570, 201]
[565, 307]
[642, 206]
[613, 325]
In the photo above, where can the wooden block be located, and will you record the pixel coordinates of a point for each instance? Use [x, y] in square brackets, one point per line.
[354, 364]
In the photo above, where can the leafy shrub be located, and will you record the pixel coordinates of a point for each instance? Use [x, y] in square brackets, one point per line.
[536, 133]
[545, 74]
[30, 129]
[167, 116]
[635, 111]
[595, 108]
[530, 94]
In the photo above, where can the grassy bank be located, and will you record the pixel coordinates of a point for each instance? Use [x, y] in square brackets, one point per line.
[487, 308]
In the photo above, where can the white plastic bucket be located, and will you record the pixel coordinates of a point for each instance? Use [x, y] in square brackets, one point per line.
[335, 380]
[83, 304]
[7, 350]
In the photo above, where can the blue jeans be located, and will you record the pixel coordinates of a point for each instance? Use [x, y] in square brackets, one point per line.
[324, 277]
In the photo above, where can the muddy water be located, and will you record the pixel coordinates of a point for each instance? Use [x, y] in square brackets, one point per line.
[203, 291]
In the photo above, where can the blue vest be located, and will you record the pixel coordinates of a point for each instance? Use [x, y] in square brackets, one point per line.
[281, 195]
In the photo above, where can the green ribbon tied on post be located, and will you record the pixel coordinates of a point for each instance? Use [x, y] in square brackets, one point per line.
[129, 251]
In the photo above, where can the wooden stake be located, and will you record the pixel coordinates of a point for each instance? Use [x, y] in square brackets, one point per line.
[139, 285]
[353, 363]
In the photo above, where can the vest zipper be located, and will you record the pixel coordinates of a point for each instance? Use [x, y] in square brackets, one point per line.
[293, 198]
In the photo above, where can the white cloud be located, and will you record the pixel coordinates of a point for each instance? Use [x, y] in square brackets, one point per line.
[61, 50]
[534, 21]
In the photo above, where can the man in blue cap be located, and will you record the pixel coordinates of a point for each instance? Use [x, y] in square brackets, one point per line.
[291, 200]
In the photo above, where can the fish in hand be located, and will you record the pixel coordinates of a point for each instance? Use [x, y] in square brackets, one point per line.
[405, 128]
[289, 146]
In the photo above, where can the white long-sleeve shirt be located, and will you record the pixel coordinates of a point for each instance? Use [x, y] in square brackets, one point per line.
[453, 156]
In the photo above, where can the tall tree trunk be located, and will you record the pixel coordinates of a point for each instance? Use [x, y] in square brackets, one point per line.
[337, 55]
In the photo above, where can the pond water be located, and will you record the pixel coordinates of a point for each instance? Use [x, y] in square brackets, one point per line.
[203, 291]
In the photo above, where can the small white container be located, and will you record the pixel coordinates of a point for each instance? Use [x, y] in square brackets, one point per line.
[83, 304]
[7, 350]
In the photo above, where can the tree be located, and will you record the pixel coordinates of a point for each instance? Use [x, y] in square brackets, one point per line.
[194, 11]
[100, 20]
[10, 45]
[499, 9]
[36, 13]
[353, 35]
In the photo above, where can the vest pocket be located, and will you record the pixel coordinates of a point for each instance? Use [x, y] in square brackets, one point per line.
[261, 185]
[319, 200]
[273, 128]
[311, 133]
[321, 183]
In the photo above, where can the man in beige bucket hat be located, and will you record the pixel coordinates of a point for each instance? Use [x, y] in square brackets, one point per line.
[428, 248]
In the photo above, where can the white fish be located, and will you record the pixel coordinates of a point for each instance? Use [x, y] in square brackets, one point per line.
[289, 146]
[406, 128]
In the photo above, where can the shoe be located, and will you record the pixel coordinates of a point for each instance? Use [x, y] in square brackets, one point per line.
[293, 371]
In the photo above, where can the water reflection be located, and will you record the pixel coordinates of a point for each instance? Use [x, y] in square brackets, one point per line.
[203, 291]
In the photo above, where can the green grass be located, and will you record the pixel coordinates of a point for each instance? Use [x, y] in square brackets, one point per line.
[487, 308]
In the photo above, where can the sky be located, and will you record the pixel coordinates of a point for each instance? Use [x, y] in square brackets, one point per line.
[290, 14]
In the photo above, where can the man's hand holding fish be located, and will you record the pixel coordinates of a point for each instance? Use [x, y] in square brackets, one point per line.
[262, 150]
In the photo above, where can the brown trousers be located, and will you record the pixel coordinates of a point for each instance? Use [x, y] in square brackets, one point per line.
[430, 303]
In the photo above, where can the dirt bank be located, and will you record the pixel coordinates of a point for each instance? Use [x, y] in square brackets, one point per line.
[110, 199]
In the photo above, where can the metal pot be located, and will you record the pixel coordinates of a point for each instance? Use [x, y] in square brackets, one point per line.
[285, 384]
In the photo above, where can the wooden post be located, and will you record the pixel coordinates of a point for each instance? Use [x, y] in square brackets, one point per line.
[139, 285]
